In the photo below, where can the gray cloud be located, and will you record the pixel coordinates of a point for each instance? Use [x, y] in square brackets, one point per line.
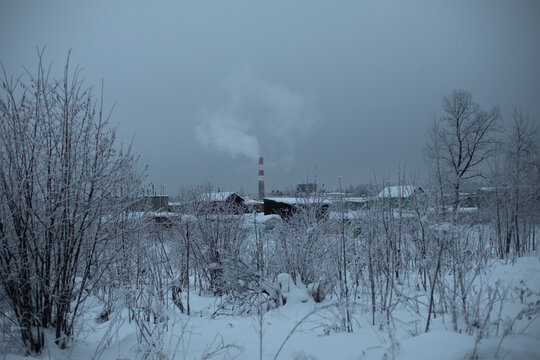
[346, 87]
[256, 118]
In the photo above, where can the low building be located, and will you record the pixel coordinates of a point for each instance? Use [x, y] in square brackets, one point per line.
[400, 195]
[287, 206]
[227, 201]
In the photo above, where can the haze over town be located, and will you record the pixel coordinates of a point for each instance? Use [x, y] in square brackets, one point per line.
[318, 88]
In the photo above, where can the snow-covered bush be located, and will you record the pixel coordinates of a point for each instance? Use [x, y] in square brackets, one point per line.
[63, 181]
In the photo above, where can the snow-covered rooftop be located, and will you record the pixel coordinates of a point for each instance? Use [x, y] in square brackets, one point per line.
[252, 202]
[402, 191]
[218, 196]
[299, 200]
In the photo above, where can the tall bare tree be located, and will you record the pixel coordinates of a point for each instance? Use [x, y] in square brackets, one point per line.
[522, 156]
[463, 139]
[433, 154]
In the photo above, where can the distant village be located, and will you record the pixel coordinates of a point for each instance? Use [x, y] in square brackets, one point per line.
[281, 204]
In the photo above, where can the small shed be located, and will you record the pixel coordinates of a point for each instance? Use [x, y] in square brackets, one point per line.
[400, 195]
[287, 206]
[227, 201]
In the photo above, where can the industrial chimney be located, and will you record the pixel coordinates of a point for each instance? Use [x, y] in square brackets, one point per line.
[261, 179]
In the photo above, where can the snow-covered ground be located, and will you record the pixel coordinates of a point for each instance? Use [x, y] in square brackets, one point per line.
[307, 330]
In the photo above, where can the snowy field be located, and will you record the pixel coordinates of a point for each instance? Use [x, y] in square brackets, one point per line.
[304, 329]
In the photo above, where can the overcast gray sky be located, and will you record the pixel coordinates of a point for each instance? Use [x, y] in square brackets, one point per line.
[334, 87]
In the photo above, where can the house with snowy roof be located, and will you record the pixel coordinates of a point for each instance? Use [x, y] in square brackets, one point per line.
[287, 206]
[226, 201]
[401, 195]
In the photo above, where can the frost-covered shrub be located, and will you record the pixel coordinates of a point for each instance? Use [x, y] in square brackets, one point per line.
[63, 182]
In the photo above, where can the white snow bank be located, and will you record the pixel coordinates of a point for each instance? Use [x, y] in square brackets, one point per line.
[293, 293]
[440, 345]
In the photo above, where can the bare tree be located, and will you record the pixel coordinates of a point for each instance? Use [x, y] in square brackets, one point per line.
[512, 197]
[493, 200]
[433, 154]
[462, 139]
[522, 155]
[62, 181]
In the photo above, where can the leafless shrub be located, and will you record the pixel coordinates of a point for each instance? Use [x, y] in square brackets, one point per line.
[62, 182]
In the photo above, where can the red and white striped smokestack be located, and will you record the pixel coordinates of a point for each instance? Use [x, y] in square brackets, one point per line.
[261, 179]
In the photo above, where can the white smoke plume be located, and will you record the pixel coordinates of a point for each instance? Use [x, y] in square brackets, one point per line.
[225, 133]
[255, 117]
